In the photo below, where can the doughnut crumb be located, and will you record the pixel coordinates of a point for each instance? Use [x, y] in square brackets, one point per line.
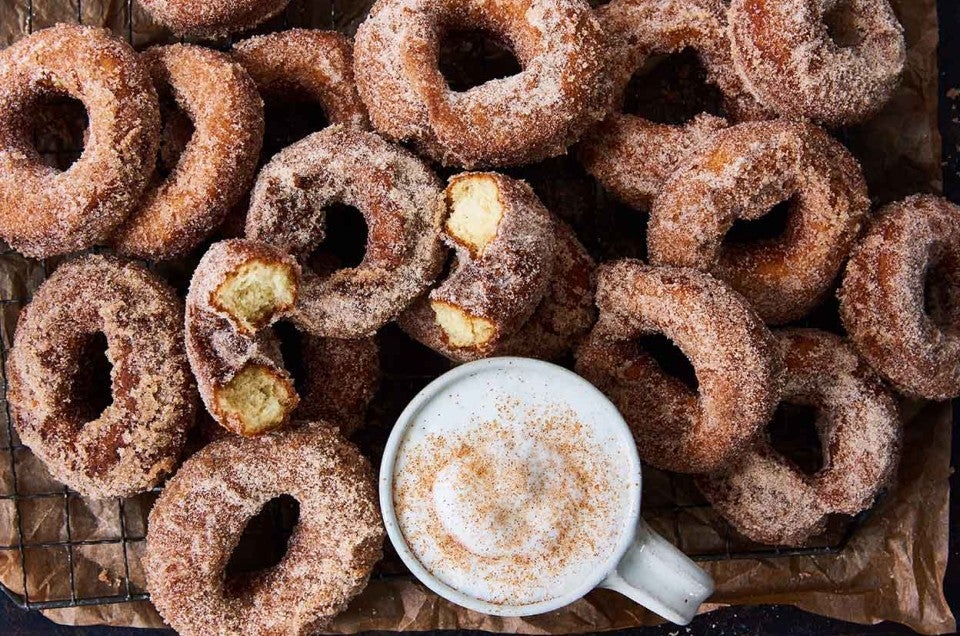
[256, 400]
[256, 291]
[460, 328]
[475, 211]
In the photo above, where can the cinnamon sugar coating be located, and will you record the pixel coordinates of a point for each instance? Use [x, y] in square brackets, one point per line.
[400, 199]
[342, 376]
[217, 165]
[136, 441]
[523, 118]
[900, 297]
[198, 520]
[212, 18]
[733, 354]
[79, 207]
[768, 498]
[834, 62]
[742, 173]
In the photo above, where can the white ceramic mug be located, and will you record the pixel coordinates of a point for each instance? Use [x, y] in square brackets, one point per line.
[643, 566]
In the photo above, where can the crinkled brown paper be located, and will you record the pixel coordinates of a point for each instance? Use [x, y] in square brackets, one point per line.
[892, 569]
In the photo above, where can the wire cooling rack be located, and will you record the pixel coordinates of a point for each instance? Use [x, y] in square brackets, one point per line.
[52, 527]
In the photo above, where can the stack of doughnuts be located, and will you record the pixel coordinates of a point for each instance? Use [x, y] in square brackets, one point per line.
[469, 265]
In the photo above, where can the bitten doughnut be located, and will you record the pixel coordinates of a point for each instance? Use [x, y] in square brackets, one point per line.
[678, 428]
[216, 166]
[769, 499]
[238, 290]
[198, 520]
[834, 61]
[504, 243]
[523, 118]
[79, 207]
[632, 156]
[212, 18]
[900, 297]
[136, 441]
[400, 199]
[741, 173]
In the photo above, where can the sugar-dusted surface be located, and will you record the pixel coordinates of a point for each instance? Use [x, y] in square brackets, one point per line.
[79, 207]
[198, 520]
[900, 297]
[742, 172]
[768, 498]
[217, 164]
[136, 441]
[212, 18]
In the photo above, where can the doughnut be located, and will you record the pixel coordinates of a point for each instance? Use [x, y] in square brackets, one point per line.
[216, 166]
[765, 496]
[833, 61]
[79, 207]
[136, 441]
[238, 290]
[212, 18]
[678, 428]
[535, 114]
[741, 173]
[503, 241]
[400, 199]
[199, 518]
[900, 297]
[632, 156]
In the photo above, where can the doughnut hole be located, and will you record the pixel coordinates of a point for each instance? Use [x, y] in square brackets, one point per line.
[672, 89]
[461, 328]
[770, 227]
[793, 433]
[256, 400]
[470, 58]
[256, 291]
[290, 119]
[58, 126]
[349, 230]
[92, 390]
[176, 132]
[942, 288]
[475, 212]
[263, 543]
[291, 350]
[670, 358]
[841, 24]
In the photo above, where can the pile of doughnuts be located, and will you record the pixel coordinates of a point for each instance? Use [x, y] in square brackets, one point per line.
[469, 266]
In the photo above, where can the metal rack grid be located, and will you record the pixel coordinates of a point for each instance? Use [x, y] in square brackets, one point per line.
[672, 510]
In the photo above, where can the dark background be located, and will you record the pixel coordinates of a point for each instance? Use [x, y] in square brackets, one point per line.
[783, 620]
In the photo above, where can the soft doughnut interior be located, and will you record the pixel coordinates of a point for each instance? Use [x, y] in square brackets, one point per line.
[255, 291]
[475, 211]
[461, 328]
[258, 398]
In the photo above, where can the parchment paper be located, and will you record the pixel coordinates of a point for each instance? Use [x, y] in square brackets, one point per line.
[892, 569]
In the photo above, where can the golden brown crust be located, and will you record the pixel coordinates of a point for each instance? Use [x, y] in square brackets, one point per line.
[768, 498]
[136, 441]
[741, 173]
[197, 522]
[732, 353]
[79, 207]
[217, 165]
[900, 298]
[212, 18]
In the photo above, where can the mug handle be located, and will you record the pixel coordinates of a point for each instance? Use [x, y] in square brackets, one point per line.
[660, 577]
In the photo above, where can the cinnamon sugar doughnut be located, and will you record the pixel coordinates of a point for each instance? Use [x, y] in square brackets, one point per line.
[523, 118]
[400, 199]
[741, 173]
[215, 167]
[769, 499]
[677, 428]
[834, 61]
[632, 156]
[900, 298]
[504, 242]
[212, 18]
[136, 441]
[79, 207]
[199, 518]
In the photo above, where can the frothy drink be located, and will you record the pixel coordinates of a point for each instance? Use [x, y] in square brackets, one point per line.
[515, 500]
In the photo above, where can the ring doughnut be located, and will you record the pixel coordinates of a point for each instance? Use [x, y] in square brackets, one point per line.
[504, 244]
[400, 199]
[900, 297]
[216, 166]
[677, 428]
[199, 518]
[632, 156]
[79, 207]
[212, 18]
[523, 118]
[793, 63]
[741, 173]
[136, 441]
[769, 499]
